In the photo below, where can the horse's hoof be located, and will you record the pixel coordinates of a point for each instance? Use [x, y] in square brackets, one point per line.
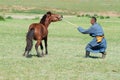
[38, 55]
[28, 56]
[103, 55]
[42, 54]
[46, 54]
[24, 54]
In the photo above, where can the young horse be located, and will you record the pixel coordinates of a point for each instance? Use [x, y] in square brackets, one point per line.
[39, 32]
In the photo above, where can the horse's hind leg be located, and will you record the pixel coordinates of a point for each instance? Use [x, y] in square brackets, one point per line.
[36, 47]
[29, 42]
[41, 48]
[28, 48]
[26, 53]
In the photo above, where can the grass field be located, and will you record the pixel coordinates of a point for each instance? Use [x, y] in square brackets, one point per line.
[65, 60]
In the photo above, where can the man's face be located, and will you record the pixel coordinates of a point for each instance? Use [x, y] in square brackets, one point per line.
[92, 21]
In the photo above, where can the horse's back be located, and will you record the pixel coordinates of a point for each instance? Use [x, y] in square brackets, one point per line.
[33, 26]
[40, 31]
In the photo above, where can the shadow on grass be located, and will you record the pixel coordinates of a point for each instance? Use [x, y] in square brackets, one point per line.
[95, 57]
[30, 56]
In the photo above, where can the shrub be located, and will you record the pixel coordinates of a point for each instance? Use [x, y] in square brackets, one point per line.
[78, 15]
[88, 15]
[107, 17]
[119, 17]
[82, 15]
[9, 17]
[101, 17]
[95, 15]
[2, 18]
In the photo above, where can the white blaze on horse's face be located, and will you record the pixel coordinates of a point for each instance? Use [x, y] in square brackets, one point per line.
[56, 17]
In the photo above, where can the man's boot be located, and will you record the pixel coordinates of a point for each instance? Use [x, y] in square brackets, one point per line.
[103, 55]
[87, 54]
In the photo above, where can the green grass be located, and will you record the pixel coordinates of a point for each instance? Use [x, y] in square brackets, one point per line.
[65, 60]
[62, 6]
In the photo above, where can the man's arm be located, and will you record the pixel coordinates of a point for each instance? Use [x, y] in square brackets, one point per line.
[85, 31]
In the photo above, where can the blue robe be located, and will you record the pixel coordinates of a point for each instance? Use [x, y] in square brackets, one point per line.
[94, 46]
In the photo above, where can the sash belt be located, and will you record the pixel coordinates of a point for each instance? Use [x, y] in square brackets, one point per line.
[99, 38]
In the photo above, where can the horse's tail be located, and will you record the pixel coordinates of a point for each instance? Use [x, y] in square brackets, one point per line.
[29, 40]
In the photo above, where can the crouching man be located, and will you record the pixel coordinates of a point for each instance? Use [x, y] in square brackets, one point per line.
[98, 43]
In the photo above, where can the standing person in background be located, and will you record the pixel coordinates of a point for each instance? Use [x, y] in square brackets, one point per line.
[98, 43]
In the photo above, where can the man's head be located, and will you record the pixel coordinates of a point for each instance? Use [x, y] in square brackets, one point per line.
[93, 20]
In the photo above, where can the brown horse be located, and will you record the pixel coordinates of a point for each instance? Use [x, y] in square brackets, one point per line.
[39, 32]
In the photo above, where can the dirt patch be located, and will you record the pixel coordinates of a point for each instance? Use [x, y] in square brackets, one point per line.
[109, 13]
[22, 9]
[23, 16]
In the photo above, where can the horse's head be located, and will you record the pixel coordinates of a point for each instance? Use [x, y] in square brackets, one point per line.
[54, 17]
[50, 17]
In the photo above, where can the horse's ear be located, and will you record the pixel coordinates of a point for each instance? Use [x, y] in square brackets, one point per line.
[49, 13]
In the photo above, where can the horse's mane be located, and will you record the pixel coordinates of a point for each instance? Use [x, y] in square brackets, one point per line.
[42, 21]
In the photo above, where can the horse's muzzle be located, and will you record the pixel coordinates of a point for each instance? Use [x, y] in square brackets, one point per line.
[61, 17]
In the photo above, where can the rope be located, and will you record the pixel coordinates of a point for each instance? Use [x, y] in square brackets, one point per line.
[71, 23]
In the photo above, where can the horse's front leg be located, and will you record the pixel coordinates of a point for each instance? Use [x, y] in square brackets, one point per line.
[36, 47]
[45, 40]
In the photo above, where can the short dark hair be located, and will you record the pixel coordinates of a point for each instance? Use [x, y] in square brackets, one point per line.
[94, 18]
